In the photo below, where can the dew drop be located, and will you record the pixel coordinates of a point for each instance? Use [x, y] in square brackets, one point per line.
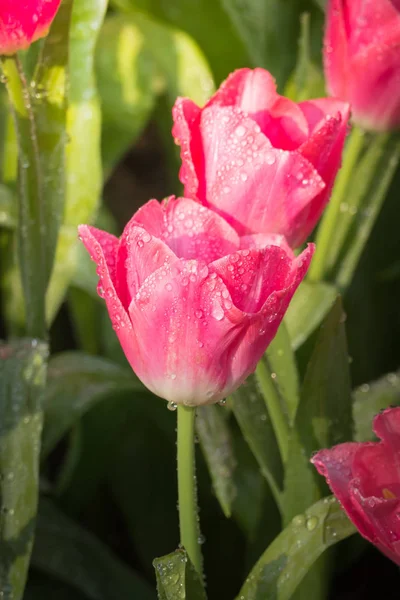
[172, 406]
[311, 524]
[217, 312]
[270, 158]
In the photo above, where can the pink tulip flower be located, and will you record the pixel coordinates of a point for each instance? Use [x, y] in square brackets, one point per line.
[262, 161]
[365, 478]
[193, 304]
[22, 23]
[362, 59]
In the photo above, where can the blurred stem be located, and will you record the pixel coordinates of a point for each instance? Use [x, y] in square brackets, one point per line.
[31, 242]
[275, 409]
[323, 258]
[187, 487]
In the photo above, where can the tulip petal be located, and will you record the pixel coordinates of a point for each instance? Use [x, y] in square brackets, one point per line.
[252, 275]
[20, 24]
[186, 115]
[258, 241]
[189, 229]
[194, 231]
[253, 185]
[328, 122]
[264, 325]
[139, 254]
[193, 315]
[387, 428]
[254, 92]
[102, 248]
[377, 68]
[336, 465]
[336, 53]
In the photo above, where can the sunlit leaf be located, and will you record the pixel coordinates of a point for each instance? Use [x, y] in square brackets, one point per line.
[177, 578]
[290, 556]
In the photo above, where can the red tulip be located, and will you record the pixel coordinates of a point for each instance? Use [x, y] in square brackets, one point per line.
[22, 23]
[365, 478]
[193, 304]
[362, 59]
[262, 161]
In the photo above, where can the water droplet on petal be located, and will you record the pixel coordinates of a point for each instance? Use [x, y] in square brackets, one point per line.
[172, 406]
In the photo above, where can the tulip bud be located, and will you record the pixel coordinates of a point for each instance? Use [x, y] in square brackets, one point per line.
[362, 59]
[263, 162]
[22, 23]
[194, 305]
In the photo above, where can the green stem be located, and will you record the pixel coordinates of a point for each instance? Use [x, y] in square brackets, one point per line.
[323, 257]
[187, 490]
[274, 406]
[31, 234]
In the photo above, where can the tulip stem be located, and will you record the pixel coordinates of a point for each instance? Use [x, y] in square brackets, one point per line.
[324, 258]
[187, 487]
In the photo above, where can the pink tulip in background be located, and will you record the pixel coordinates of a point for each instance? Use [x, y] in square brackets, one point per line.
[262, 161]
[22, 23]
[365, 477]
[193, 304]
[362, 59]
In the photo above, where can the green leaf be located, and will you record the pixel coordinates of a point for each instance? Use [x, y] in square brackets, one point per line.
[22, 378]
[128, 84]
[324, 416]
[177, 578]
[251, 413]
[8, 208]
[133, 71]
[365, 194]
[282, 364]
[75, 383]
[309, 306]
[307, 80]
[217, 444]
[369, 399]
[290, 556]
[83, 148]
[74, 556]
[49, 105]
[206, 23]
[39, 109]
[269, 30]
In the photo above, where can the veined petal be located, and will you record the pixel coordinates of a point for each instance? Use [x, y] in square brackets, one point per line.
[252, 275]
[139, 255]
[189, 229]
[186, 115]
[258, 241]
[376, 72]
[198, 331]
[253, 185]
[254, 92]
[102, 248]
[336, 52]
